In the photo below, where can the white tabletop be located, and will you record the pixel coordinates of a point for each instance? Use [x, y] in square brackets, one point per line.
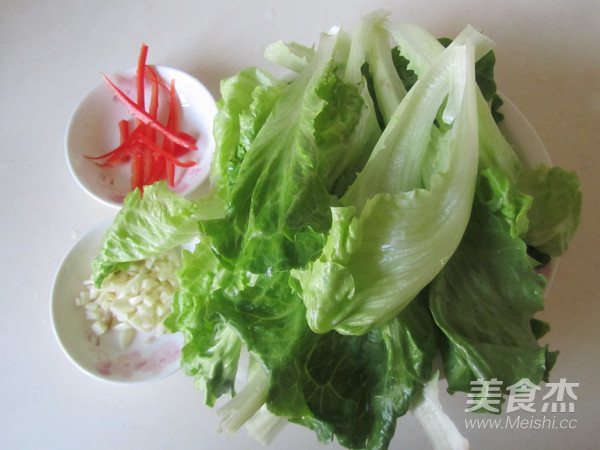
[52, 53]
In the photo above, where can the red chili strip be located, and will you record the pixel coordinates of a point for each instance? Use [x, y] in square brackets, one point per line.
[158, 170]
[153, 108]
[124, 130]
[154, 77]
[140, 76]
[170, 173]
[146, 118]
[124, 147]
[169, 157]
[137, 172]
[174, 106]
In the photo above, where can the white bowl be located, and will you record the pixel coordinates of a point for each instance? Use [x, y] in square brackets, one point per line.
[93, 131]
[147, 358]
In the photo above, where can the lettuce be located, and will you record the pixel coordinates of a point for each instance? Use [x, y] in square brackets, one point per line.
[353, 388]
[311, 144]
[399, 227]
[484, 301]
[212, 349]
[366, 214]
[556, 208]
[149, 225]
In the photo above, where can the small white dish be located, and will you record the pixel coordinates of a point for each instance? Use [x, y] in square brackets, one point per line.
[147, 358]
[93, 131]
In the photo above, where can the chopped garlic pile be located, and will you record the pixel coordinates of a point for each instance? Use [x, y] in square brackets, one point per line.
[136, 299]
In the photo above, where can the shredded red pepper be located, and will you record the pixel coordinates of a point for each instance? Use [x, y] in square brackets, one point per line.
[140, 75]
[161, 151]
[137, 172]
[124, 129]
[152, 148]
[123, 152]
[146, 118]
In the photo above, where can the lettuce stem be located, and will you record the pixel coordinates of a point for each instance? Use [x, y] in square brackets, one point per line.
[237, 411]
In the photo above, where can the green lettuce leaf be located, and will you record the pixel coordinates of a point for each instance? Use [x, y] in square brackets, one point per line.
[305, 381]
[504, 199]
[212, 349]
[411, 343]
[293, 56]
[308, 149]
[246, 101]
[399, 227]
[484, 301]
[416, 52]
[555, 212]
[506, 193]
[484, 75]
[149, 225]
[370, 51]
[351, 388]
